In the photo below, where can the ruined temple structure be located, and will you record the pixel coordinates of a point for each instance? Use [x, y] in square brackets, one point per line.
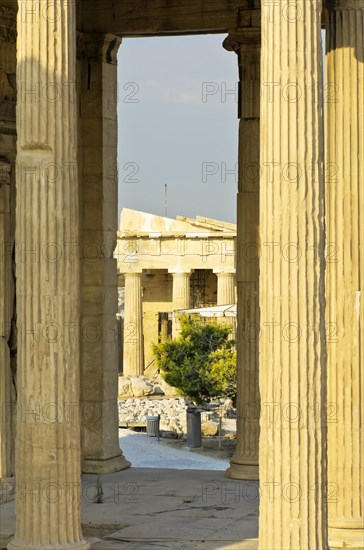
[300, 260]
[166, 265]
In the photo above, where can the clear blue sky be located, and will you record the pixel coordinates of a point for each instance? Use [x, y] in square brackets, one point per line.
[175, 129]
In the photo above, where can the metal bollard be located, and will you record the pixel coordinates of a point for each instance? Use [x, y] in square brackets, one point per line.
[194, 439]
[153, 426]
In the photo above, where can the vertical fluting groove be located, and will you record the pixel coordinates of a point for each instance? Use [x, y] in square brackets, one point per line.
[292, 302]
[180, 297]
[181, 290]
[225, 289]
[47, 440]
[345, 205]
[133, 326]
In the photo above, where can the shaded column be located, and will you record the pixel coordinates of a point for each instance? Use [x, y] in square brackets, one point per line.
[225, 288]
[345, 270]
[133, 326]
[7, 322]
[292, 364]
[7, 244]
[163, 327]
[180, 296]
[48, 454]
[97, 93]
[244, 462]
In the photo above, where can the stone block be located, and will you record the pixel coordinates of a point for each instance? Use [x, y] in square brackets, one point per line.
[209, 428]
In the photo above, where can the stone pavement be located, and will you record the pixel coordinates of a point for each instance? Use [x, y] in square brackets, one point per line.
[146, 452]
[163, 509]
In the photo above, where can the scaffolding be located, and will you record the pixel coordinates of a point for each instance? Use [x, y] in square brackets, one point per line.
[198, 283]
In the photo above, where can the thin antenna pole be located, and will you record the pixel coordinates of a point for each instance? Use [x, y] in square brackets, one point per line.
[165, 199]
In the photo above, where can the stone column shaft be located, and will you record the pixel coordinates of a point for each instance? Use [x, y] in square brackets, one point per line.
[133, 326]
[48, 497]
[244, 463]
[97, 89]
[345, 270]
[181, 290]
[7, 389]
[225, 288]
[7, 237]
[292, 356]
[180, 297]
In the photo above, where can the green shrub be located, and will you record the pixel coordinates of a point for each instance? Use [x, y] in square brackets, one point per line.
[200, 362]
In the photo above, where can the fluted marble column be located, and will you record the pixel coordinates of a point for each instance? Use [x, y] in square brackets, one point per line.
[180, 296]
[225, 288]
[6, 306]
[345, 270]
[244, 462]
[133, 326]
[7, 238]
[292, 450]
[47, 233]
[181, 290]
[97, 98]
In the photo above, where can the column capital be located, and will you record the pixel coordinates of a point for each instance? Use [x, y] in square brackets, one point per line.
[132, 274]
[180, 273]
[344, 4]
[242, 38]
[224, 273]
[98, 47]
[246, 43]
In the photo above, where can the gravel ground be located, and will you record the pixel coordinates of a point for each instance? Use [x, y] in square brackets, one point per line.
[145, 452]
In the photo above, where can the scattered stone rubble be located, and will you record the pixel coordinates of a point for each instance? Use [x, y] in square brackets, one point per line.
[140, 397]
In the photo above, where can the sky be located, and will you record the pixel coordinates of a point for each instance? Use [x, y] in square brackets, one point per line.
[177, 125]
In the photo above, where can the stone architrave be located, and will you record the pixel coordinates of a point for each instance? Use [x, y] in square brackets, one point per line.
[133, 363]
[225, 288]
[97, 148]
[345, 270]
[292, 354]
[48, 454]
[244, 463]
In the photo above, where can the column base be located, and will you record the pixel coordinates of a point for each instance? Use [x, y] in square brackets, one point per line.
[105, 466]
[346, 537]
[241, 471]
[81, 545]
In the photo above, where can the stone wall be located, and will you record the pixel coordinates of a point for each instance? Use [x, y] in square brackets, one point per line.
[172, 411]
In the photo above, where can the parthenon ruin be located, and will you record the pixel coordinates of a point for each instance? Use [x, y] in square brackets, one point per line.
[300, 260]
[162, 265]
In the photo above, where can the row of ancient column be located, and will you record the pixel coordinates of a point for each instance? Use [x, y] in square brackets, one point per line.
[133, 346]
[310, 233]
[290, 247]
